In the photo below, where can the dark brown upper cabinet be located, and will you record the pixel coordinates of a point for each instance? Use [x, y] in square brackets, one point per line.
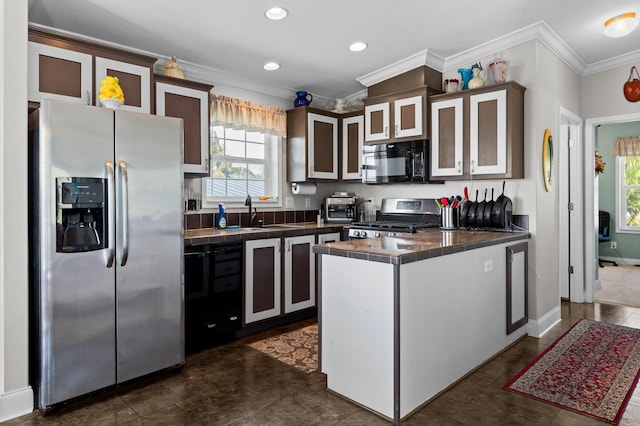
[312, 145]
[188, 100]
[351, 143]
[71, 69]
[397, 117]
[478, 133]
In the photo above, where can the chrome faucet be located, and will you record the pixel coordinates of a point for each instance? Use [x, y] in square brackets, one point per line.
[252, 215]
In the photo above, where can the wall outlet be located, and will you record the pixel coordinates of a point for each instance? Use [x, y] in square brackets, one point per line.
[614, 245]
[288, 202]
[488, 265]
[307, 202]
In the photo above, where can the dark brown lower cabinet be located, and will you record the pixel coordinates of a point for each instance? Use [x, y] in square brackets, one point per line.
[262, 279]
[299, 273]
[270, 291]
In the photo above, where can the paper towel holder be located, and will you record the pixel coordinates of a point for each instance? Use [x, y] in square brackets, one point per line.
[299, 188]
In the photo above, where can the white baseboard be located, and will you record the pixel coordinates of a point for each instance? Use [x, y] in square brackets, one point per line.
[16, 403]
[621, 260]
[537, 328]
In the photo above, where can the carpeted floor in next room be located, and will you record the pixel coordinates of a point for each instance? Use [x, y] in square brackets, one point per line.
[237, 385]
[620, 285]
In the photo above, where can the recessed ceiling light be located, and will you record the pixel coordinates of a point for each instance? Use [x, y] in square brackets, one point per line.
[620, 25]
[271, 66]
[276, 13]
[358, 46]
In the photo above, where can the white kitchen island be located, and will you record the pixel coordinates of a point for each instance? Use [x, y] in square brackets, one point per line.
[402, 319]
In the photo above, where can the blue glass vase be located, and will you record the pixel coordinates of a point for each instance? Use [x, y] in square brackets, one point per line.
[466, 75]
[303, 99]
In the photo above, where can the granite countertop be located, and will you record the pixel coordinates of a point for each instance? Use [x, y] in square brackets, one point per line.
[424, 244]
[213, 235]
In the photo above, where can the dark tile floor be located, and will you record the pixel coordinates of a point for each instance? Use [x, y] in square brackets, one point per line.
[236, 385]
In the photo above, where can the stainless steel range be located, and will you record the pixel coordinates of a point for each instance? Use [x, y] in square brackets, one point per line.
[399, 216]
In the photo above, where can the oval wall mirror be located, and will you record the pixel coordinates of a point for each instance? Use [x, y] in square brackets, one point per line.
[547, 158]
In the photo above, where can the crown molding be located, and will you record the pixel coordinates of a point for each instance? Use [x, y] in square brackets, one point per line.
[618, 61]
[538, 31]
[416, 60]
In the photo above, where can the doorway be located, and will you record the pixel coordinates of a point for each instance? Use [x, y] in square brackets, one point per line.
[590, 228]
[570, 237]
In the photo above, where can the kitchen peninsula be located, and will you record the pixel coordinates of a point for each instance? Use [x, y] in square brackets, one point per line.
[403, 318]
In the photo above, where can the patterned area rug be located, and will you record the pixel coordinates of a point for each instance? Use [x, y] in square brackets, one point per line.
[592, 370]
[298, 348]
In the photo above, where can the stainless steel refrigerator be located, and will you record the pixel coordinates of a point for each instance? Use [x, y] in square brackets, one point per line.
[106, 248]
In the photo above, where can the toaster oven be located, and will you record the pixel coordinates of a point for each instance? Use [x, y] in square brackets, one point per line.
[340, 208]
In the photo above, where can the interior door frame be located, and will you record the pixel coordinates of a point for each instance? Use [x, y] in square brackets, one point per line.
[591, 201]
[570, 237]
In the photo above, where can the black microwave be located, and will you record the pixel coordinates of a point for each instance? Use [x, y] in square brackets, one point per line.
[399, 162]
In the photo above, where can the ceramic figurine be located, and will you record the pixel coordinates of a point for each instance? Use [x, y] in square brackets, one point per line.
[476, 81]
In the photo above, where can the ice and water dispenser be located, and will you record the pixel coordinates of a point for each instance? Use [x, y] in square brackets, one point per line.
[81, 216]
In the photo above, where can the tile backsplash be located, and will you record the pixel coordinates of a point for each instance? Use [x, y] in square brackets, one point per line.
[208, 220]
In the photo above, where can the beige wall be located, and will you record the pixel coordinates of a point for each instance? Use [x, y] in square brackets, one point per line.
[602, 94]
[15, 394]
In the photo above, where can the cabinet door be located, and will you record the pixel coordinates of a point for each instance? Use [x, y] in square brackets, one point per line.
[299, 273]
[262, 279]
[59, 74]
[407, 115]
[352, 142]
[135, 82]
[447, 138]
[488, 133]
[376, 122]
[193, 107]
[323, 146]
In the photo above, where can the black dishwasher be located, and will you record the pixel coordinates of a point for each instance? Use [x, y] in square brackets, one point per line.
[213, 294]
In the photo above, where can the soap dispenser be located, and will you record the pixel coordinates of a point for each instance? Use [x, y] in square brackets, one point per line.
[221, 223]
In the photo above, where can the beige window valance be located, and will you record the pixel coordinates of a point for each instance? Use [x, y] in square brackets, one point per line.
[627, 147]
[245, 115]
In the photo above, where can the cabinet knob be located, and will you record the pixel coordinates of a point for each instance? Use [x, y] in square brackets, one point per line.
[473, 166]
[206, 163]
[396, 130]
[459, 170]
[386, 131]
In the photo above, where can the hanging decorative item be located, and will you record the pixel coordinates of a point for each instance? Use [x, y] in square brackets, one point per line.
[632, 86]
[172, 69]
[600, 165]
[547, 158]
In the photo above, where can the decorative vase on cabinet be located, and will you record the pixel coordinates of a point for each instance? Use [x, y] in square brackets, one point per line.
[303, 99]
[477, 81]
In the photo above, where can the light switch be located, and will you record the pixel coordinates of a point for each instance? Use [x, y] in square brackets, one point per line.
[488, 265]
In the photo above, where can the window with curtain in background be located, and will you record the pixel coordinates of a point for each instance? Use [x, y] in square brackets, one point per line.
[245, 153]
[627, 152]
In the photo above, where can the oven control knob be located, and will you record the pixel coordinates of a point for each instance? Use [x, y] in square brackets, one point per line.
[377, 234]
[356, 233]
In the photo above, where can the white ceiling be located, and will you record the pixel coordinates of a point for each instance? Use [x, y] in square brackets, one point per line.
[233, 39]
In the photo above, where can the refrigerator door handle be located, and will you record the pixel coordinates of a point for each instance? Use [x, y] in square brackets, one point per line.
[111, 252]
[125, 213]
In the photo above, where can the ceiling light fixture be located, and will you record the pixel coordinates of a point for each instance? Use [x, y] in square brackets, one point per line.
[620, 25]
[358, 46]
[276, 13]
[271, 66]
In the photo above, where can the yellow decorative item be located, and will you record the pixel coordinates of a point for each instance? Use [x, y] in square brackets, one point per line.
[111, 95]
[172, 69]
